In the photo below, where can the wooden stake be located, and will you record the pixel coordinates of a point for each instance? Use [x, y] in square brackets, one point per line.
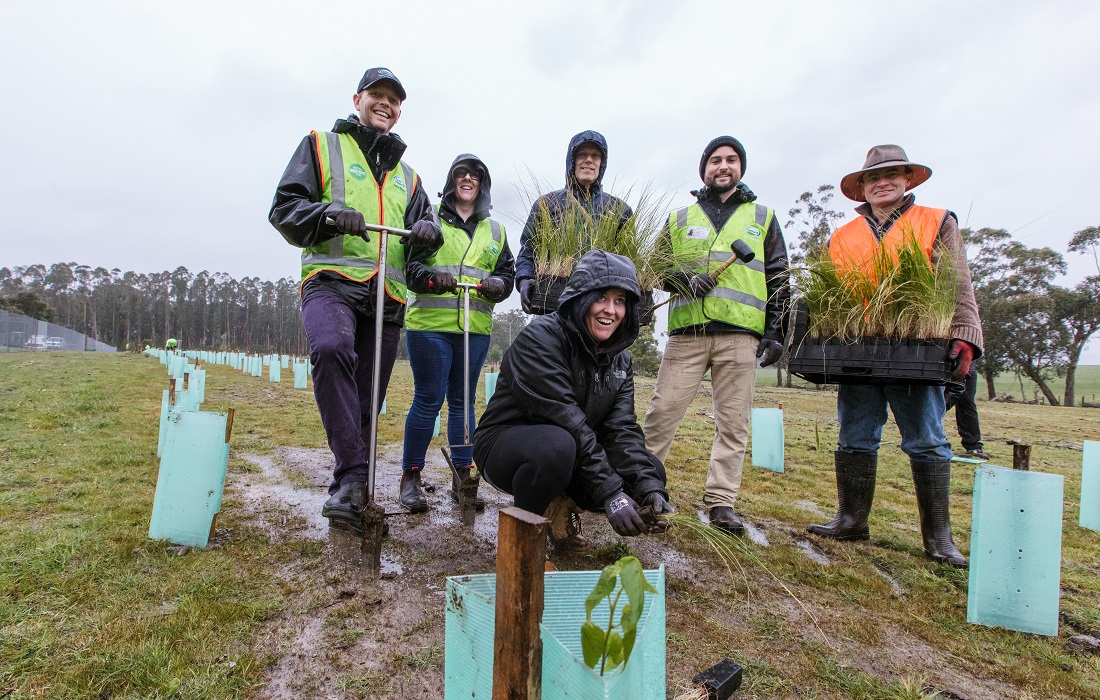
[1021, 457]
[517, 647]
[172, 392]
[228, 424]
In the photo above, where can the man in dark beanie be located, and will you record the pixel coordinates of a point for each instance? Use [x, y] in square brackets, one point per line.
[722, 323]
[338, 181]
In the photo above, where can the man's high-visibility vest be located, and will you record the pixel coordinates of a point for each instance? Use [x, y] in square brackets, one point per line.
[470, 260]
[741, 293]
[346, 180]
[853, 246]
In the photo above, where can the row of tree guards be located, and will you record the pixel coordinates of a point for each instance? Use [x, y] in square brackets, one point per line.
[1015, 552]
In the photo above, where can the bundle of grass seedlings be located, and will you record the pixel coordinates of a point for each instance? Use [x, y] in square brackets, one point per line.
[562, 236]
[893, 297]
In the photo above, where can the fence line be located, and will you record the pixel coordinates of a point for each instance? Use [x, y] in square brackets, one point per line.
[20, 333]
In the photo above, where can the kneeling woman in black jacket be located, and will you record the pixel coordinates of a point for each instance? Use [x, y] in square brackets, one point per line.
[561, 424]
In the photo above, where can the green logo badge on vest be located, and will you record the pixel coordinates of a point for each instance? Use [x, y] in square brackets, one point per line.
[494, 248]
[398, 183]
[754, 231]
[357, 171]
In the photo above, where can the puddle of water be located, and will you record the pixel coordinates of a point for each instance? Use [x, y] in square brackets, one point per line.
[812, 552]
[305, 503]
[898, 590]
[756, 534]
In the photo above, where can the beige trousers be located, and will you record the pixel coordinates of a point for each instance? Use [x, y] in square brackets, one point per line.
[731, 358]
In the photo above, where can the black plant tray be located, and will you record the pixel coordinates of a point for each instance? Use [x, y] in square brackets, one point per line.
[645, 308]
[871, 361]
[545, 294]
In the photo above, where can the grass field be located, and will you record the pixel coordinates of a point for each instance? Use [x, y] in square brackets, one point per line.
[90, 607]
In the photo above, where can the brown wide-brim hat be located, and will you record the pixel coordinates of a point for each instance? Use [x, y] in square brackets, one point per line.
[879, 157]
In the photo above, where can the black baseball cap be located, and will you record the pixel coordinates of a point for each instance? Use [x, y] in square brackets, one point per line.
[378, 75]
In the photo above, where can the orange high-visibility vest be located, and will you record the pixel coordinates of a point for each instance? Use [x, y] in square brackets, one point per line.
[853, 246]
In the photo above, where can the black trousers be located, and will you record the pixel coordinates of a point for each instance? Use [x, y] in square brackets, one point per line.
[966, 411]
[534, 463]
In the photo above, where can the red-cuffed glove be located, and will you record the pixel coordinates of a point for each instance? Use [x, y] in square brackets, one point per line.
[962, 353]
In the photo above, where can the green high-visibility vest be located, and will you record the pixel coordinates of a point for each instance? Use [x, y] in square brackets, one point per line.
[348, 182]
[470, 260]
[741, 293]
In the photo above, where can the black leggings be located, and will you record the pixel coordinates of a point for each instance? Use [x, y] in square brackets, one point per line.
[534, 463]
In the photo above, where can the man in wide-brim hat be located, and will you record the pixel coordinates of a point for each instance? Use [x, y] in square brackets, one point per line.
[888, 218]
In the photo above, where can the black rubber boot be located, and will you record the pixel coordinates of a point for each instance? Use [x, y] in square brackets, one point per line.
[933, 482]
[344, 508]
[855, 490]
[412, 494]
[456, 486]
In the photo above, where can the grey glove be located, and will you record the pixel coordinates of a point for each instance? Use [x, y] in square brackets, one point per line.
[424, 233]
[493, 289]
[770, 352]
[653, 506]
[622, 513]
[700, 284]
[351, 223]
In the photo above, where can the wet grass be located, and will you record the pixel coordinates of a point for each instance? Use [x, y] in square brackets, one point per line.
[90, 607]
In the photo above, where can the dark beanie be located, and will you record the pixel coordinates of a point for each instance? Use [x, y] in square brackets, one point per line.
[718, 143]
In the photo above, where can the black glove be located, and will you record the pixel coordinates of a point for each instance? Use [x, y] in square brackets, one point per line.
[493, 289]
[700, 284]
[442, 283]
[525, 287]
[654, 505]
[622, 513]
[424, 233]
[770, 351]
[351, 223]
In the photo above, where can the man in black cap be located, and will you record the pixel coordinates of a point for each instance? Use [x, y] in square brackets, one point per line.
[722, 323]
[338, 181]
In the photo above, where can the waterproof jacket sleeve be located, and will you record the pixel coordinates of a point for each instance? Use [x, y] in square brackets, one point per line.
[624, 442]
[525, 263]
[542, 384]
[505, 270]
[776, 274]
[297, 211]
[420, 209]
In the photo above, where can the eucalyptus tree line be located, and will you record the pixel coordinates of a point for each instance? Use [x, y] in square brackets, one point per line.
[201, 310]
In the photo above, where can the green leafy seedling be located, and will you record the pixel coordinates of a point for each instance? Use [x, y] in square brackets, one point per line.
[611, 647]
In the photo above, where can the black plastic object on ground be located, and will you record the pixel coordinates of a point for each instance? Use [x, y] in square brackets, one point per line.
[867, 360]
[721, 680]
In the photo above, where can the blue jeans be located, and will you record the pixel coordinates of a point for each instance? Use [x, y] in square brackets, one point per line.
[436, 360]
[918, 411]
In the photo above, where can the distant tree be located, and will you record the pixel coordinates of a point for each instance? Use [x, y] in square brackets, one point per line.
[811, 220]
[1079, 309]
[29, 304]
[506, 326]
[644, 354]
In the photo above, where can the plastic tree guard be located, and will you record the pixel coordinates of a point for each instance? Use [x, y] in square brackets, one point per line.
[1090, 486]
[767, 438]
[1015, 550]
[490, 385]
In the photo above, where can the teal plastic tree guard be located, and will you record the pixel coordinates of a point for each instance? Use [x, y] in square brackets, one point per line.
[382, 411]
[1015, 550]
[767, 438]
[1090, 486]
[192, 477]
[299, 375]
[257, 366]
[469, 631]
[266, 359]
[198, 385]
[185, 400]
[284, 361]
[435, 430]
[490, 385]
[275, 372]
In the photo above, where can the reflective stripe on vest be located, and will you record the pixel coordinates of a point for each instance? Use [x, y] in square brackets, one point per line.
[853, 246]
[471, 259]
[741, 294]
[346, 181]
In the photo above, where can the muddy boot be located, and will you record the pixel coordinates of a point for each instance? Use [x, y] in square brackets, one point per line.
[456, 486]
[855, 488]
[723, 518]
[344, 508]
[565, 526]
[933, 482]
[412, 494]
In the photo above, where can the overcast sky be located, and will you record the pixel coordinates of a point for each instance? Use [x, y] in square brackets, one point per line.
[145, 136]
